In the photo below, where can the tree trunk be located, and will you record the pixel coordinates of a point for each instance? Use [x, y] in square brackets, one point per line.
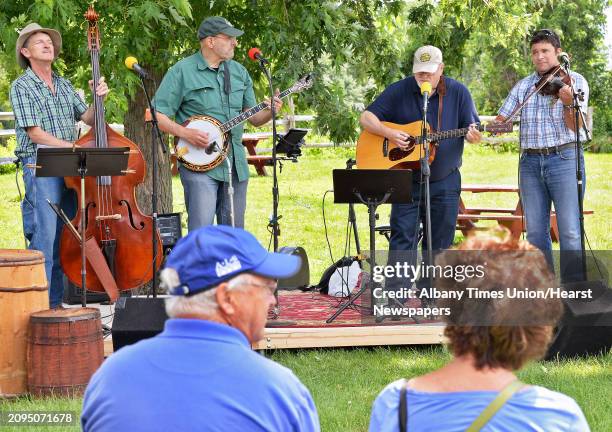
[140, 134]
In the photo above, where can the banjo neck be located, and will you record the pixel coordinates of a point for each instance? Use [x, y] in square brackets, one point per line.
[250, 113]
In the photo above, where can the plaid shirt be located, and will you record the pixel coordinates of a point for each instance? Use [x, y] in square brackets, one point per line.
[542, 123]
[35, 105]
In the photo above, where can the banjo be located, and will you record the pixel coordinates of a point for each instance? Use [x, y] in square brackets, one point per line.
[203, 159]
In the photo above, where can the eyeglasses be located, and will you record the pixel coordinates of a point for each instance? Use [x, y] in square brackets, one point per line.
[270, 287]
[222, 36]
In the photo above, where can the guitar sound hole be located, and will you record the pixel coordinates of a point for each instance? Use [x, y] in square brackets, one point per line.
[397, 153]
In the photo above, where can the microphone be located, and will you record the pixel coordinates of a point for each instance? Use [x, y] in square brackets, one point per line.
[426, 89]
[564, 58]
[255, 55]
[132, 64]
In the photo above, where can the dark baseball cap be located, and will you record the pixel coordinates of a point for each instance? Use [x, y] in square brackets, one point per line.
[212, 26]
[214, 254]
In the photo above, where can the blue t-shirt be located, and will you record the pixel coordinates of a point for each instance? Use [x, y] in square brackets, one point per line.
[402, 103]
[533, 408]
[195, 375]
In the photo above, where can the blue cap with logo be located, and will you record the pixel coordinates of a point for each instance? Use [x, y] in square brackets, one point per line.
[213, 254]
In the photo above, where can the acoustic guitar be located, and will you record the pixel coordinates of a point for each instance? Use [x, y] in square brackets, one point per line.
[376, 152]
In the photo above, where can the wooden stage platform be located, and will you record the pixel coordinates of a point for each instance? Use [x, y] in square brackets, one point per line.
[302, 324]
[337, 336]
[413, 334]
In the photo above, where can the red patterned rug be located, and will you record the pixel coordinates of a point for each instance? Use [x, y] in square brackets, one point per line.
[312, 309]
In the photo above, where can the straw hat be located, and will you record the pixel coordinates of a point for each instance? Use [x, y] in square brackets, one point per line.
[28, 31]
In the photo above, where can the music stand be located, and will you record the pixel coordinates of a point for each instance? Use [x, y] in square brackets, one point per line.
[370, 187]
[82, 162]
[291, 142]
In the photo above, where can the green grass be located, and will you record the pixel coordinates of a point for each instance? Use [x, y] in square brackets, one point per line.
[345, 382]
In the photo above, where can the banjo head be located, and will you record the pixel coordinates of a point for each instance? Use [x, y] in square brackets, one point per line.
[196, 158]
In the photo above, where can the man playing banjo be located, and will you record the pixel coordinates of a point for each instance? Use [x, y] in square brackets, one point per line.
[210, 83]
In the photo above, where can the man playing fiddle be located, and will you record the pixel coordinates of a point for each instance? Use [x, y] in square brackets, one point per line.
[547, 167]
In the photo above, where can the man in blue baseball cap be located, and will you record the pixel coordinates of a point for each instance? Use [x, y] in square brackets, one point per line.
[200, 373]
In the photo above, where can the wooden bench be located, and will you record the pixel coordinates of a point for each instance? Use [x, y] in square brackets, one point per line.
[511, 218]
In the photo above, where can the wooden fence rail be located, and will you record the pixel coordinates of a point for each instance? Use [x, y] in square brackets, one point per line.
[287, 122]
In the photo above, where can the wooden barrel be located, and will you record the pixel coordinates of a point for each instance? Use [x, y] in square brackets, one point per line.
[23, 290]
[65, 348]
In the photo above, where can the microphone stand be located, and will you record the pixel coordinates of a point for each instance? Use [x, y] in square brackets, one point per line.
[579, 116]
[351, 215]
[156, 139]
[274, 219]
[426, 173]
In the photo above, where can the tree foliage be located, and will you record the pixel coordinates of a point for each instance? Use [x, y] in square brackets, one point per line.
[354, 47]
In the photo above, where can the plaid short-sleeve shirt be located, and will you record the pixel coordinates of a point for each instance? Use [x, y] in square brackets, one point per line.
[542, 123]
[35, 105]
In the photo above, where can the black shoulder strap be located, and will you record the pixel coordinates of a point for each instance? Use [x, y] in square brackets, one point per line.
[441, 88]
[227, 84]
[403, 408]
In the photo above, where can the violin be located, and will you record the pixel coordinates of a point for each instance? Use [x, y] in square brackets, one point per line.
[552, 81]
[111, 214]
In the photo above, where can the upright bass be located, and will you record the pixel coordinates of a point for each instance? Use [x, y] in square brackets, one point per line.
[111, 214]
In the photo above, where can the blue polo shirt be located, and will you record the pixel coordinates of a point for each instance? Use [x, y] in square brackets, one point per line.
[533, 408]
[195, 375]
[402, 103]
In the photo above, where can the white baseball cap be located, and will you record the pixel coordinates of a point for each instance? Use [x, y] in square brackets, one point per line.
[426, 59]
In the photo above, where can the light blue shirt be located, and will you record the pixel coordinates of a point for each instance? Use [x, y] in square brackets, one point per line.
[542, 123]
[533, 408]
[195, 376]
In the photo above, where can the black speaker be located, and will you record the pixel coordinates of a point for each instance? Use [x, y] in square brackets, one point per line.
[586, 326]
[302, 278]
[72, 294]
[137, 318]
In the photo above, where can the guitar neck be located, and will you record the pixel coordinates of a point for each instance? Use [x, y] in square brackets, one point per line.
[249, 113]
[453, 133]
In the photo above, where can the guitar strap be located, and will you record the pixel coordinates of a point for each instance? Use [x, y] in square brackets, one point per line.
[441, 89]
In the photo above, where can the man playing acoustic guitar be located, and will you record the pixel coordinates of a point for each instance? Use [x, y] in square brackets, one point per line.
[450, 107]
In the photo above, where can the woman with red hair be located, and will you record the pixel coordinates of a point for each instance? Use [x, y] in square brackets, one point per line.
[490, 337]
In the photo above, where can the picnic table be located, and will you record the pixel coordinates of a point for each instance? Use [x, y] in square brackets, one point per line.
[250, 141]
[510, 217]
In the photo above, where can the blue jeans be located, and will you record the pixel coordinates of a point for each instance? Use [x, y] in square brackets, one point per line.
[206, 197]
[546, 179]
[42, 227]
[405, 218]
